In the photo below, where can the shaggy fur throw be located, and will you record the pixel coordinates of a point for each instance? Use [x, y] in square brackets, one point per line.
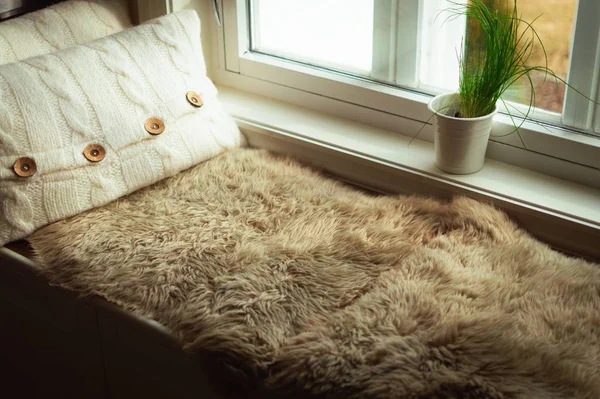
[306, 287]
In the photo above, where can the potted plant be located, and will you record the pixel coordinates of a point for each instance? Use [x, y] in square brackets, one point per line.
[463, 120]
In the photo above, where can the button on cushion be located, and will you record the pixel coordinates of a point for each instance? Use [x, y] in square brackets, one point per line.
[25, 167]
[94, 153]
[194, 99]
[154, 126]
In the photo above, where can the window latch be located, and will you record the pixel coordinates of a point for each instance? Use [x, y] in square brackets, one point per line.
[217, 8]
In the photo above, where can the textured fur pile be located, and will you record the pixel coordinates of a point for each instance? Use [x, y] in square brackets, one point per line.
[304, 286]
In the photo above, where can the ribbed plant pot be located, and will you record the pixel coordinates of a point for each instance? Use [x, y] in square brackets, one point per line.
[460, 143]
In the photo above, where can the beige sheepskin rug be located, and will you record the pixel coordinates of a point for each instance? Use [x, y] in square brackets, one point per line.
[299, 286]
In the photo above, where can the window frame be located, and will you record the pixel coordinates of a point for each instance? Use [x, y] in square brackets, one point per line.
[579, 112]
[393, 19]
[385, 106]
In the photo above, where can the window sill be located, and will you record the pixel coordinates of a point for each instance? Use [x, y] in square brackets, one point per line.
[563, 213]
[551, 150]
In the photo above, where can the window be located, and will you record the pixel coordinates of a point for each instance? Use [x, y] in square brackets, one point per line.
[553, 20]
[390, 56]
[335, 34]
[374, 39]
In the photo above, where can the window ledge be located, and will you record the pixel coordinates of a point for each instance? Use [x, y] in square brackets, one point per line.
[563, 213]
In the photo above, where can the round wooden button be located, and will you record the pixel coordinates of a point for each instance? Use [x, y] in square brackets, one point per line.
[94, 153]
[25, 167]
[154, 126]
[194, 99]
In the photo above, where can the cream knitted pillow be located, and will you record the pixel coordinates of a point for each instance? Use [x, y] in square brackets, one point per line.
[59, 26]
[91, 123]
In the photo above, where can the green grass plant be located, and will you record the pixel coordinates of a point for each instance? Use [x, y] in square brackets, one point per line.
[506, 43]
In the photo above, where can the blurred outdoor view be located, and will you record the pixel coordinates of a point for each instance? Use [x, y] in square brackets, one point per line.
[555, 28]
[339, 34]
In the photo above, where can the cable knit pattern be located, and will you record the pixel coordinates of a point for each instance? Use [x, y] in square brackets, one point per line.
[111, 24]
[60, 26]
[17, 210]
[168, 35]
[171, 159]
[44, 31]
[103, 189]
[103, 93]
[45, 24]
[7, 144]
[72, 109]
[131, 86]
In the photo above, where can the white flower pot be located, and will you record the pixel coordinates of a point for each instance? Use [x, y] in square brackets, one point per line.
[460, 143]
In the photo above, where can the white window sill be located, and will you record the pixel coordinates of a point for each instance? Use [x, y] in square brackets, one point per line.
[548, 149]
[563, 213]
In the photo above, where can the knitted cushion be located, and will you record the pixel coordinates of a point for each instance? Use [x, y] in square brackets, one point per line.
[60, 26]
[91, 123]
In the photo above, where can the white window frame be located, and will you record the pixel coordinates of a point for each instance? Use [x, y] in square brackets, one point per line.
[396, 60]
[585, 59]
[391, 107]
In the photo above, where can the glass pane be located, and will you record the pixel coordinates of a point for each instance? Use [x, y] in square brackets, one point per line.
[554, 25]
[441, 40]
[339, 34]
[330, 33]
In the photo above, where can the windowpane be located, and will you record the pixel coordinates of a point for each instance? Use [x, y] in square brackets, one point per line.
[380, 39]
[554, 25]
[441, 40]
[330, 33]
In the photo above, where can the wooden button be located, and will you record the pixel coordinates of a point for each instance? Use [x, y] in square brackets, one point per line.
[25, 167]
[154, 126]
[194, 99]
[94, 153]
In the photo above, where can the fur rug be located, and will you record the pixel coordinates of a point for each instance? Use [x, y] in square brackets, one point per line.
[302, 286]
